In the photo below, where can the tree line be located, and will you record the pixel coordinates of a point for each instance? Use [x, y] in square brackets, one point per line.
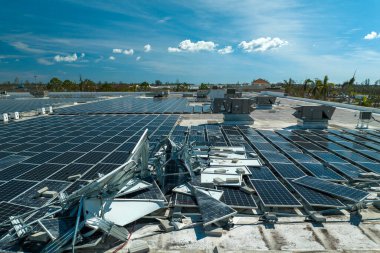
[349, 91]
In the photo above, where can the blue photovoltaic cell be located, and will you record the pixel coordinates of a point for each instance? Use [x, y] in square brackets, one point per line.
[274, 194]
[334, 189]
[288, 170]
[315, 198]
[348, 170]
[329, 157]
[263, 173]
[320, 171]
[275, 157]
[301, 157]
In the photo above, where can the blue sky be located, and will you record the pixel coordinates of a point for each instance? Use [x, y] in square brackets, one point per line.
[195, 41]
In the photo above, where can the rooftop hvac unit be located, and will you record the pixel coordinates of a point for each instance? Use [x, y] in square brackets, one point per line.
[5, 117]
[265, 102]
[15, 115]
[232, 93]
[314, 116]
[363, 121]
[365, 115]
[235, 110]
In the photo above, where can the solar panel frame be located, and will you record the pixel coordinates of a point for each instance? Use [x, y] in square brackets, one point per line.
[274, 194]
[333, 189]
[236, 198]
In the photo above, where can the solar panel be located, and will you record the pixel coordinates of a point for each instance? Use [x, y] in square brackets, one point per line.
[320, 171]
[275, 157]
[14, 188]
[309, 146]
[41, 172]
[348, 170]
[333, 189]
[301, 157]
[42, 157]
[66, 157]
[117, 157]
[288, 170]
[274, 194]
[15, 170]
[263, 173]
[28, 198]
[57, 227]
[236, 198]
[315, 198]
[184, 200]
[9, 209]
[92, 157]
[70, 170]
[375, 167]
[329, 157]
[211, 209]
[98, 169]
[152, 193]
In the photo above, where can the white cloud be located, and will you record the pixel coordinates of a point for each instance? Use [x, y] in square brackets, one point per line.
[188, 46]
[147, 48]
[44, 61]
[68, 58]
[372, 35]
[117, 50]
[138, 58]
[82, 55]
[164, 20]
[128, 51]
[226, 50]
[112, 58]
[173, 49]
[262, 44]
[24, 47]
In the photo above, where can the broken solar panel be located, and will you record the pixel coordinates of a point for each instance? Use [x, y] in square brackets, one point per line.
[57, 227]
[29, 197]
[315, 198]
[149, 193]
[333, 189]
[236, 198]
[184, 200]
[98, 170]
[9, 209]
[274, 194]
[211, 209]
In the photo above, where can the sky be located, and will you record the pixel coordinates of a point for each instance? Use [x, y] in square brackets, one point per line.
[193, 41]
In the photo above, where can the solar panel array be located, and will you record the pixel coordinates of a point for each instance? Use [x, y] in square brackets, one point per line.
[289, 167]
[135, 105]
[33, 104]
[334, 189]
[345, 156]
[215, 136]
[46, 151]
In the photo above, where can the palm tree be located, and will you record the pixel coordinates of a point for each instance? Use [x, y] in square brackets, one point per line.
[306, 83]
[288, 85]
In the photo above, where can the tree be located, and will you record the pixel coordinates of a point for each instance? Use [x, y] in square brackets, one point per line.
[203, 86]
[87, 85]
[68, 85]
[144, 86]
[157, 83]
[54, 84]
[306, 84]
[288, 85]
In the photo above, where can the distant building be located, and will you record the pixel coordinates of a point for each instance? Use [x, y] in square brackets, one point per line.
[260, 84]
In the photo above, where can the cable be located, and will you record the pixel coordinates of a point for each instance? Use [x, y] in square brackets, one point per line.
[375, 119]
[126, 242]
